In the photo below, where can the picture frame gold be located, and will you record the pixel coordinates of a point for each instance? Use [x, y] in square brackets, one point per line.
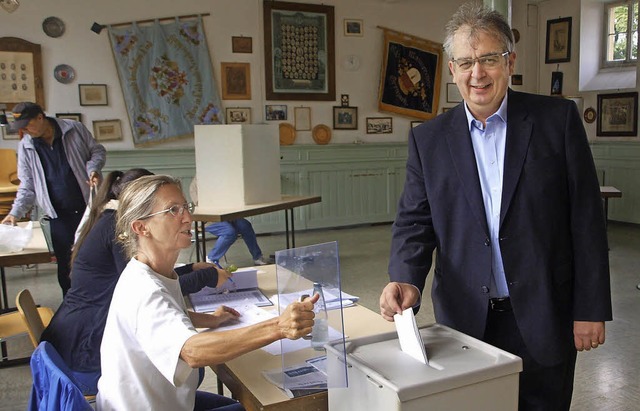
[93, 94]
[238, 115]
[302, 118]
[241, 44]
[70, 116]
[236, 81]
[107, 130]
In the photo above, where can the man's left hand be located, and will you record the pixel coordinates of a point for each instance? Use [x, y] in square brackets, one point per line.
[588, 334]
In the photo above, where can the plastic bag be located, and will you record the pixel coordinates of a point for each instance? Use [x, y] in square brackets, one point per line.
[14, 238]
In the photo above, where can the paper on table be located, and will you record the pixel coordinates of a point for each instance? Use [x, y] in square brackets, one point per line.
[409, 335]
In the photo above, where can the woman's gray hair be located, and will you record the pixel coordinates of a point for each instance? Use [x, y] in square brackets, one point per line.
[477, 18]
[136, 201]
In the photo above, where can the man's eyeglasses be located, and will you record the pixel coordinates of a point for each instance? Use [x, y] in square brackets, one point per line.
[176, 210]
[488, 62]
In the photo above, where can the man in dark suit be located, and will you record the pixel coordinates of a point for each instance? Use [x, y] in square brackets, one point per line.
[504, 188]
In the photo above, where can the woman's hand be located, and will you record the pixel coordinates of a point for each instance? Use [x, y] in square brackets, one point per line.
[224, 314]
[297, 319]
[223, 276]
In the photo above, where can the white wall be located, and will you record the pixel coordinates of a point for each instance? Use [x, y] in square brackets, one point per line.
[90, 54]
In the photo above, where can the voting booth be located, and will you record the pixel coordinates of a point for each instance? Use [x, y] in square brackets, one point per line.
[237, 165]
[463, 374]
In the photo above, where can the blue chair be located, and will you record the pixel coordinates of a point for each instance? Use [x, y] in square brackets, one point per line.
[54, 387]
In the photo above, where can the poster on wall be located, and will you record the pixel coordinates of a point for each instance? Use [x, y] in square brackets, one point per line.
[410, 80]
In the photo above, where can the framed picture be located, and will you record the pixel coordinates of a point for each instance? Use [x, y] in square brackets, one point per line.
[353, 27]
[556, 83]
[345, 118]
[307, 29]
[558, 48]
[302, 118]
[241, 44]
[453, 94]
[275, 112]
[236, 81]
[617, 115]
[344, 100]
[20, 71]
[70, 116]
[237, 115]
[5, 130]
[379, 125]
[416, 123]
[107, 130]
[410, 79]
[93, 94]
[516, 80]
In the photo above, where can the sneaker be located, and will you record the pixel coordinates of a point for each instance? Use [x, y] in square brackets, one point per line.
[208, 260]
[262, 261]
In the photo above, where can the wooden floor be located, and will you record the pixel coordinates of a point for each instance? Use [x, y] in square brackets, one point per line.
[607, 379]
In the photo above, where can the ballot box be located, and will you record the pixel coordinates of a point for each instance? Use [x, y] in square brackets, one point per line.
[463, 374]
[237, 165]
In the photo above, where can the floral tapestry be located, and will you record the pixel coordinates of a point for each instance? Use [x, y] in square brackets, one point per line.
[166, 78]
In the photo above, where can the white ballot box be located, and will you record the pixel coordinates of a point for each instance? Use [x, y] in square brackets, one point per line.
[463, 374]
[237, 165]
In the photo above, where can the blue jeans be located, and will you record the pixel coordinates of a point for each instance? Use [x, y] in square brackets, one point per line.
[207, 401]
[227, 232]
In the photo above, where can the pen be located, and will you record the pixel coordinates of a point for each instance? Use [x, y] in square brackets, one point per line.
[217, 264]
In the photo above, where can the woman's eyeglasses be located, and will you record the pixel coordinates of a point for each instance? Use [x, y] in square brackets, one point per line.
[488, 62]
[175, 210]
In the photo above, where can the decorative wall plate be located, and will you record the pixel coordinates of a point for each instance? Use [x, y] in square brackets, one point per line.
[64, 73]
[287, 134]
[321, 134]
[53, 27]
[590, 115]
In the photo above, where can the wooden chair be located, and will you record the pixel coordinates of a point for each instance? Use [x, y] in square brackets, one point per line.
[34, 318]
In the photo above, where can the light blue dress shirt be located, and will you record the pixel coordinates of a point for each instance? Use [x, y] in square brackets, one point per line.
[488, 145]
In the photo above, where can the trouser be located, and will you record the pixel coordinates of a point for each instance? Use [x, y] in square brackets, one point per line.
[542, 388]
[63, 231]
[206, 401]
[227, 232]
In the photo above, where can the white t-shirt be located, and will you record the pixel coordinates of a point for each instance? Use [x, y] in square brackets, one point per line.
[146, 328]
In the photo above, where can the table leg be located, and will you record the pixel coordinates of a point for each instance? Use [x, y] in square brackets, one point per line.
[197, 243]
[286, 226]
[203, 250]
[5, 299]
[293, 230]
[606, 211]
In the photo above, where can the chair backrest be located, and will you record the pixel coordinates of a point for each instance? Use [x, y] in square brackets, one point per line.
[8, 166]
[54, 387]
[35, 318]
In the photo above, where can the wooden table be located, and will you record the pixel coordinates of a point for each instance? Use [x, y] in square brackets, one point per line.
[36, 252]
[203, 215]
[607, 192]
[243, 375]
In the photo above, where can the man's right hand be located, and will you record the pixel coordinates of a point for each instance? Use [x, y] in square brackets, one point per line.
[10, 220]
[397, 297]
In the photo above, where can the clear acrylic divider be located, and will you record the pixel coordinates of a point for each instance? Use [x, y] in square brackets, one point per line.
[307, 271]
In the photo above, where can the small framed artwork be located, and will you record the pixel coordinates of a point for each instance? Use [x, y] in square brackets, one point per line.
[93, 94]
[70, 116]
[302, 118]
[344, 100]
[236, 81]
[516, 80]
[275, 112]
[345, 118]
[238, 115]
[379, 125]
[353, 27]
[416, 123]
[556, 83]
[107, 130]
[617, 115]
[453, 94]
[558, 48]
[241, 44]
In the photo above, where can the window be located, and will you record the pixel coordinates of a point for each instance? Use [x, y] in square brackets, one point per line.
[621, 27]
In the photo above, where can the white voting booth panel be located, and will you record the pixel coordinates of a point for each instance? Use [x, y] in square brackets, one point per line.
[237, 165]
[463, 374]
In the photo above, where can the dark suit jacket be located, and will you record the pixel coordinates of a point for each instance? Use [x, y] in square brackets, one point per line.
[552, 228]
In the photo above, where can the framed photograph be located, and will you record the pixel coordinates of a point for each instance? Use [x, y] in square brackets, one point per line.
[345, 118]
[353, 27]
[410, 78]
[302, 118]
[236, 81]
[70, 116]
[516, 80]
[453, 94]
[617, 115]
[107, 130]
[275, 112]
[558, 48]
[344, 100]
[556, 83]
[93, 94]
[242, 44]
[238, 115]
[299, 51]
[379, 125]
[20, 71]
[416, 123]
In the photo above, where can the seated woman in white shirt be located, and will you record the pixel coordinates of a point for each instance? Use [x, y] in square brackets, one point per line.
[151, 350]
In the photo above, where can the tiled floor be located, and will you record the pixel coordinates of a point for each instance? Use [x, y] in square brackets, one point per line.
[606, 379]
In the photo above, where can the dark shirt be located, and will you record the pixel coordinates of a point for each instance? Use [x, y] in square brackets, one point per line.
[77, 327]
[62, 185]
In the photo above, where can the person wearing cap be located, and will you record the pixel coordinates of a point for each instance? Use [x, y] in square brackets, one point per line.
[58, 162]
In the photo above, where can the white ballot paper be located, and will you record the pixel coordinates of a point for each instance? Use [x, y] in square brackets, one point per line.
[409, 335]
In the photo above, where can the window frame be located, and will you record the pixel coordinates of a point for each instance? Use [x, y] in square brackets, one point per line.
[628, 60]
